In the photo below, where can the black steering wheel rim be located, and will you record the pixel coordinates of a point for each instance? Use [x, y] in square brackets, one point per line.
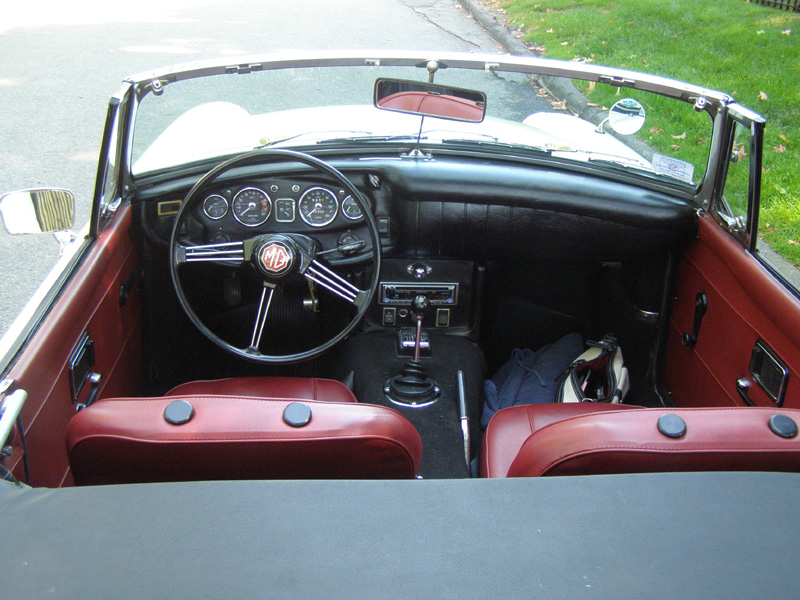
[249, 159]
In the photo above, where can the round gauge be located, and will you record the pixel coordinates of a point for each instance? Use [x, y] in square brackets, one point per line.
[350, 209]
[215, 207]
[318, 206]
[251, 206]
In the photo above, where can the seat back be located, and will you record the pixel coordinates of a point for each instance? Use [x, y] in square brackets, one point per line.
[659, 440]
[129, 440]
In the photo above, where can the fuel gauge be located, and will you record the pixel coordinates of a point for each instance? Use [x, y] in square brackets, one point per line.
[350, 209]
[215, 207]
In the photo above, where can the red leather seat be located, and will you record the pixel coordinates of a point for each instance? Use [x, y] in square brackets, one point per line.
[128, 440]
[584, 439]
[294, 388]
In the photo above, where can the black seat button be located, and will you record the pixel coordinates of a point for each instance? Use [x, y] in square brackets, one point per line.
[672, 426]
[178, 412]
[783, 426]
[297, 414]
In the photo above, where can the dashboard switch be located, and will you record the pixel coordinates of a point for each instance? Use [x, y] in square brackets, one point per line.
[389, 316]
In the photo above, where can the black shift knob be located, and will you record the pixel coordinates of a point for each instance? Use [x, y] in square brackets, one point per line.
[420, 305]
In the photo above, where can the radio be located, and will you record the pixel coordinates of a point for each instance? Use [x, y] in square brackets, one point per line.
[402, 294]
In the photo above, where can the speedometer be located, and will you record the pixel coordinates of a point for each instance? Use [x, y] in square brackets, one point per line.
[318, 206]
[251, 206]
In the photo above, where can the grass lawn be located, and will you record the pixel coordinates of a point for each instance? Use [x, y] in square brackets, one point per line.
[747, 50]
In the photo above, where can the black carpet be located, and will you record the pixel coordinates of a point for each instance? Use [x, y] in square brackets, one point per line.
[373, 357]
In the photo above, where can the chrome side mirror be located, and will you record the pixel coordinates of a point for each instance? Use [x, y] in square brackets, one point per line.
[626, 117]
[38, 211]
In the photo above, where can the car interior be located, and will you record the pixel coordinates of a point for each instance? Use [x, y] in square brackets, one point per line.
[336, 316]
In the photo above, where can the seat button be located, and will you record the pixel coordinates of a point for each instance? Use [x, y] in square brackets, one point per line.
[783, 426]
[297, 414]
[178, 412]
[672, 426]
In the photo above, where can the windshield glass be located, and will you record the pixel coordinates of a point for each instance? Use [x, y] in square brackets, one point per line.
[218, 115]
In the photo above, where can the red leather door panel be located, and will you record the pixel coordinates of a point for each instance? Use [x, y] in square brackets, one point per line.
[90, 303]
[745, 304]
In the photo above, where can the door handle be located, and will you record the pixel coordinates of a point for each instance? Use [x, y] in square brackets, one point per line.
[743, 387]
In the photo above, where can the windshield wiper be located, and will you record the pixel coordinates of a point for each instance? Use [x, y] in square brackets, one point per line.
[306, 134]
[496, 144]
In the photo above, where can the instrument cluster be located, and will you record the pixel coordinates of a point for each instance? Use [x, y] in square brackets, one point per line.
[282, 202]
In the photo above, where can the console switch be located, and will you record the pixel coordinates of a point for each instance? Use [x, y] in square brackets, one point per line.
[389, 316]
[443, 317]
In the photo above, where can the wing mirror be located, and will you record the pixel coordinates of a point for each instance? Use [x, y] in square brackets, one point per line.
[626, 117]
[50, 210]
[430, 100]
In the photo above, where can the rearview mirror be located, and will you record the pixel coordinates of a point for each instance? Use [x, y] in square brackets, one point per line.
[37, 211]
[430, 100]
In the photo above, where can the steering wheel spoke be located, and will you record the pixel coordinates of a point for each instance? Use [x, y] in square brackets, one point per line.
[261, 317]
[222, 252]
[333, 282]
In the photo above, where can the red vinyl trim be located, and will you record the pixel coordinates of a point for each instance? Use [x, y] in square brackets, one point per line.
[90, 303]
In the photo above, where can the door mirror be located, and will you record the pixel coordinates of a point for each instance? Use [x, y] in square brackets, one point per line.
[430, 100]
[626, 117]
[37, 211]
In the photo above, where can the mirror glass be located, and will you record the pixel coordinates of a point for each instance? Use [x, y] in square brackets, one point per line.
[430, 100]
[37, 211]
[626, 116]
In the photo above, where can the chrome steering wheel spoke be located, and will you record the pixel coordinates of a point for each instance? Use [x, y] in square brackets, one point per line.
[333, 282]
[233, 252]
[261, 318]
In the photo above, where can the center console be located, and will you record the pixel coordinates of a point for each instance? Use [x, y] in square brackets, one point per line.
[446, 284]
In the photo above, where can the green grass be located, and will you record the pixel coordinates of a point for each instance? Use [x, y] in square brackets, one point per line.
[747, 50]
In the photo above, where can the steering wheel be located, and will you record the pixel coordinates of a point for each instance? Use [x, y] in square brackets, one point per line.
[275, 257]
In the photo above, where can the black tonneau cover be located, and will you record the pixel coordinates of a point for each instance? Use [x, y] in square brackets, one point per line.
[693, 535]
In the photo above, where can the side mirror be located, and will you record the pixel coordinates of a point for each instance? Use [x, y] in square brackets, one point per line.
[37, 211]
[626, 117]
[430, 100]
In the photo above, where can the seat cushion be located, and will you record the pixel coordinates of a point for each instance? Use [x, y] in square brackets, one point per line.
[511, 427]
[294, 388]
[128, 440]
[651, 440]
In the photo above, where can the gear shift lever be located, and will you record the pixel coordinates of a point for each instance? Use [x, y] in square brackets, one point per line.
[412, 386]
[420, 307]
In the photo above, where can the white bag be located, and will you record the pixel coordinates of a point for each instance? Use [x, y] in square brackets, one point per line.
[597, 375]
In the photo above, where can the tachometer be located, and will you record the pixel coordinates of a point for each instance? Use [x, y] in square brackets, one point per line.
[251, 206]
[215, 206]
[318, 206]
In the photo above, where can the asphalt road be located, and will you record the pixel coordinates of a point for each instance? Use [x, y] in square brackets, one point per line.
[60, 62]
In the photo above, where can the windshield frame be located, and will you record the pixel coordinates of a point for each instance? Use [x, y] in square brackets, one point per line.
[550, 73]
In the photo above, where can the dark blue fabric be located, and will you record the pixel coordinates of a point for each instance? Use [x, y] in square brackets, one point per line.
[530, 377]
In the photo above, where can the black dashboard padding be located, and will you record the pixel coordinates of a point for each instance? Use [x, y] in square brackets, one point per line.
[461, 210]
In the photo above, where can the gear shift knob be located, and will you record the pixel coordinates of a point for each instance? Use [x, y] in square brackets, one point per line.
[420, 305]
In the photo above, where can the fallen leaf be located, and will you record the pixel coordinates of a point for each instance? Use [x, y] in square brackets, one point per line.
[660, 131]
[787, 32]
[630, 23]
[674, 37]
[592, 85]
[679, 137]
[644, 61]
[591, 104]
[654, 129]
[740, 154]
[701, 140]
[762, 96]
[783, 137]
[565, 43]
[780, 148]
[550, 30]
[542, 92]
[793, 242]
[603, 43]
[675, 147]
[560, 105]
[759, 32]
